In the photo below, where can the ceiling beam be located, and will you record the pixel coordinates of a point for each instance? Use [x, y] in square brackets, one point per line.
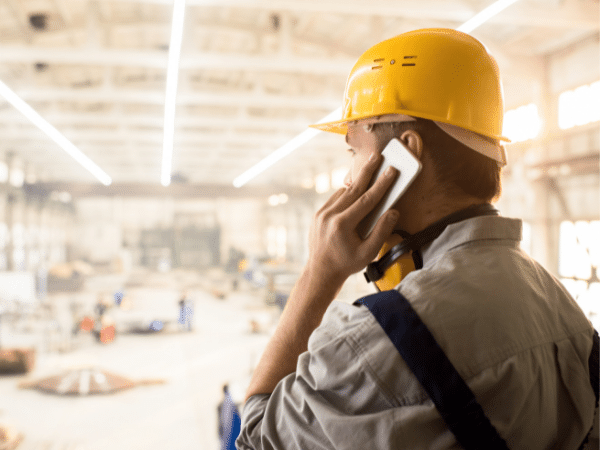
[78, 190]
[182, 137]
[570, 166]
[189, 61]
[140, 120]
[436, 9]
[156, 97]
[583, 14]
[202, 61]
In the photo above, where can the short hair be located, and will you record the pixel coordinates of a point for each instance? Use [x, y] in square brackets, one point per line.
[455, 164]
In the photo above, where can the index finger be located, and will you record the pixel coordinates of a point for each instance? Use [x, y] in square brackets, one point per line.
[361, 184]
[371, 198]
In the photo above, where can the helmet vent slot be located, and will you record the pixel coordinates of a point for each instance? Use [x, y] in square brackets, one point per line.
[409, 57]
[375, 61]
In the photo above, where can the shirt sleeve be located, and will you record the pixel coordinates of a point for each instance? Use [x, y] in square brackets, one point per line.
[333, 400]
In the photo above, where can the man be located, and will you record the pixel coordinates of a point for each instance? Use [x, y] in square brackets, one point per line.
[331, 377]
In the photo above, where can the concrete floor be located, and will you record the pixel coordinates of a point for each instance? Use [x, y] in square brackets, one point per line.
[180, 414]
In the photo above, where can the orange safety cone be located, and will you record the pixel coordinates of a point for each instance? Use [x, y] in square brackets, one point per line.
[107, 334]
[87, 324]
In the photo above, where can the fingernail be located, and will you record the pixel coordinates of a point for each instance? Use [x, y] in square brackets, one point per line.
[390, 171]
[393, 216]
[372, 156]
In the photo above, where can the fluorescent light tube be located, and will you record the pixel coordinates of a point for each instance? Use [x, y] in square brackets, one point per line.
[54, 134]
[485, 15]
[304, 137]
[172, 78]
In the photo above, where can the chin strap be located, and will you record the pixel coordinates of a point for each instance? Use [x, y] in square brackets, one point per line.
[376, 270]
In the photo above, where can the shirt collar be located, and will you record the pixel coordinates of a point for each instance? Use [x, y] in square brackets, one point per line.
[470, 230]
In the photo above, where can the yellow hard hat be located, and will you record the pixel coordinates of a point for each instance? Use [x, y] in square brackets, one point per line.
[439, 74]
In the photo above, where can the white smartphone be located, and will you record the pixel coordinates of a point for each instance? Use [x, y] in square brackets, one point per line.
[397, 155]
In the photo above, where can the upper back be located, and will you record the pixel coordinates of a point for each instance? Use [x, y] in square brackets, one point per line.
[511, 330]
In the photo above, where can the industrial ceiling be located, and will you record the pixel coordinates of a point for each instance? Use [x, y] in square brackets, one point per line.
[252, 75]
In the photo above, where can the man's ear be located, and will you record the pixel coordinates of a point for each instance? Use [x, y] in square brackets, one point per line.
[413, 141]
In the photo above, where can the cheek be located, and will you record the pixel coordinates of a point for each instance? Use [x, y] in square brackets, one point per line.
[357, 162]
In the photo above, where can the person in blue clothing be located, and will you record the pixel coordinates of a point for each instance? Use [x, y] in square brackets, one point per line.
[186, 312]
[229, 421]
[332, 376]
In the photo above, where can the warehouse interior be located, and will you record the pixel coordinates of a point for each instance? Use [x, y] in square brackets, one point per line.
[158, 180]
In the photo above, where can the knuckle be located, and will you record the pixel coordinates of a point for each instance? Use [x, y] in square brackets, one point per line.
[366, 199]
[323, 213]
[326, 216]
[337, 223]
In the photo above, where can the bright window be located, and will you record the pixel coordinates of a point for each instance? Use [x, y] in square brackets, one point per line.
[522, 123]
[526, 241]
[579, 106]
[579, 264]
[322, 183]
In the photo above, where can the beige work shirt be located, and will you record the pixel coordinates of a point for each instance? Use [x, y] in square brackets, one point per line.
[511, 330]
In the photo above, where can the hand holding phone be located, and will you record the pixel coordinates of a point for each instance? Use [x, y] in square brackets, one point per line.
[395, 154]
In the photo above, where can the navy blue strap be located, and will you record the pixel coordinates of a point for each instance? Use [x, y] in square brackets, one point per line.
[593, 363]
[425, 358]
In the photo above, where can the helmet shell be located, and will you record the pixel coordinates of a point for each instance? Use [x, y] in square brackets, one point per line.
[436, 73]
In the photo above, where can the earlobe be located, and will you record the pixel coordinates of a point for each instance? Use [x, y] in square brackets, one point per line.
[413, 141]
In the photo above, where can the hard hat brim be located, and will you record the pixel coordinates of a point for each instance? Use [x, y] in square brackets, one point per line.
[469, 138]
[338, 126]
[486, 146]
[341, 126]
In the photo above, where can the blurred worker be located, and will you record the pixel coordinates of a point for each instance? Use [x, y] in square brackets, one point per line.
[229, 420]
[104, 325]
[470, 343]
[186, 312]
[101, 306]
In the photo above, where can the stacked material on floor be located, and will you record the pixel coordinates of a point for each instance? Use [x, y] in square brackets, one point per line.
[9, 438]
[85, 381]
[68, 277]
[15, 361]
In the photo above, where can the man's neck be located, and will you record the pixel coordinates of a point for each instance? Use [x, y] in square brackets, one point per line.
[423, 214]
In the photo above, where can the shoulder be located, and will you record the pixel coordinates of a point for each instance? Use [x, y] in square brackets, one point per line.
[485, 302]
[351, 347]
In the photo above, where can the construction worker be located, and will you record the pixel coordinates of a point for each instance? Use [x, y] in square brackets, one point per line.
[470, 342]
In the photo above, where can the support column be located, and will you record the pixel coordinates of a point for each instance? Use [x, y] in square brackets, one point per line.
[546, 227]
